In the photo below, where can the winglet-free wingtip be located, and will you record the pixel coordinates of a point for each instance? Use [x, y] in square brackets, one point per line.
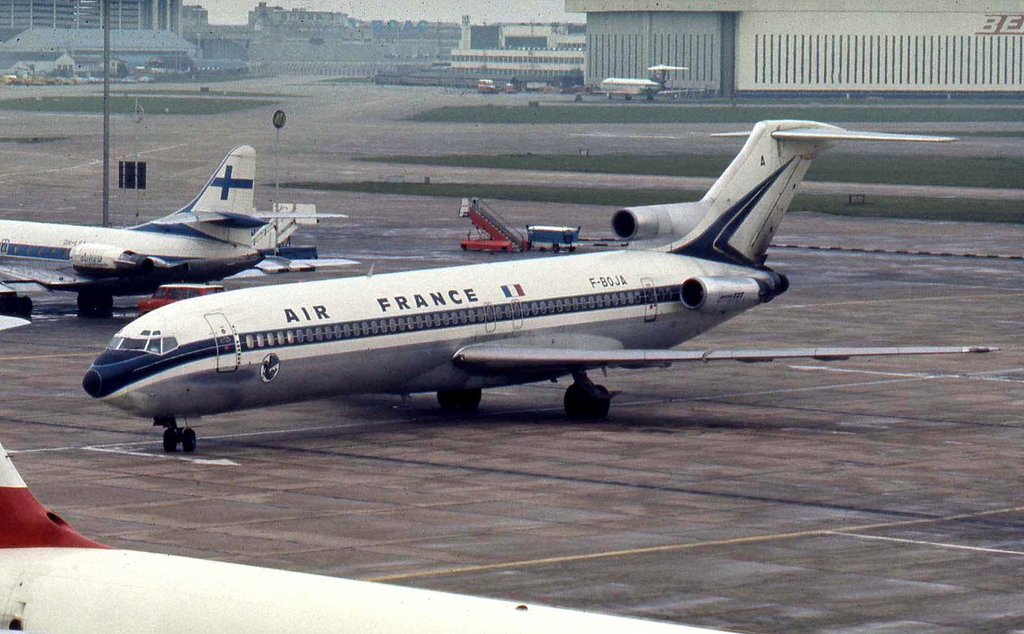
[25, 523]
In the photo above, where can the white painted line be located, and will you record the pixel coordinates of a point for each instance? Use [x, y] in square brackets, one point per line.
[976, 376]
[222, 462]
[979, 549]
[825, 368]
[123, 447]
[614, 135]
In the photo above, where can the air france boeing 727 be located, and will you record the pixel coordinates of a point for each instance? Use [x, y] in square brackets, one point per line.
[216, 235]
[456, 330]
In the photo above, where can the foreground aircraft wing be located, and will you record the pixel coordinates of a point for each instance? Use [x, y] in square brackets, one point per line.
[500, 358]
[7, 322]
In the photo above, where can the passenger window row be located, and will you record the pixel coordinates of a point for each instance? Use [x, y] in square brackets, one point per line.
[455, 318]
[31, 251]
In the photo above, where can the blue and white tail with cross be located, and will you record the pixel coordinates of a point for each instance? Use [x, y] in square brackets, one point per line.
[230, 189]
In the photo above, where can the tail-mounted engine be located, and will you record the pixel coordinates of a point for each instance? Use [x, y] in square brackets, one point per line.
[654, 221]
[731, 294]
[107, 260]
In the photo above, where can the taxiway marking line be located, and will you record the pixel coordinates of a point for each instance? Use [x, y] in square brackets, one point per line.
[222, 462]
[50, 356]
[753, 539]
[896, 299]
[980, 549]
[971, 376]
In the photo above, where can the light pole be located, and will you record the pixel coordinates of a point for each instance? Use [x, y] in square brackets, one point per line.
[106, 113]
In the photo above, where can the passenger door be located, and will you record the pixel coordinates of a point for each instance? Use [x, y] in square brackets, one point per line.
[650, 298]
[229, 353]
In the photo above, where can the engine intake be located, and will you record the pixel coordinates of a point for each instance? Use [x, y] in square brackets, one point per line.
[105, 259]
[731, 294]
[652, 221]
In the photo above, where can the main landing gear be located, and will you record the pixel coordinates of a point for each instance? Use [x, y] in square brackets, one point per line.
[14, 305]
[585, 400]
[95, 304]
[174, 435]
[459, 400]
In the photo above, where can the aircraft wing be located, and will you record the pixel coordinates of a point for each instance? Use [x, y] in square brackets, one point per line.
[502, 358]
[7, 322]
[30, 278]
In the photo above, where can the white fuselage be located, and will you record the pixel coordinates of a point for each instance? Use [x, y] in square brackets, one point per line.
[79, 590]
[630, 86]
[397, 333]
[37, 245]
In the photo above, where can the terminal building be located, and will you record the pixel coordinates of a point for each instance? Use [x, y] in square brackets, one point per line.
[736, 47]
[528, 52]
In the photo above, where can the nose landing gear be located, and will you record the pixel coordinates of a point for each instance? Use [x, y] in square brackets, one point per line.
[174, 435]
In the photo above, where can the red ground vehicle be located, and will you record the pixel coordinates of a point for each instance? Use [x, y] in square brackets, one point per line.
[170, 293]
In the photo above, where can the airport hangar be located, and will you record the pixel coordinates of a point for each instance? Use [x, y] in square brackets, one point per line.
[743, 47]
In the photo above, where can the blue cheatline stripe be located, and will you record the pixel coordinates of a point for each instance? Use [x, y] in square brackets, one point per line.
[35, 251]
[144, 365]
[43, 252]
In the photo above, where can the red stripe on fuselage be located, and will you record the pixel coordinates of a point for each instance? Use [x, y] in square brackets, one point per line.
[25, 523]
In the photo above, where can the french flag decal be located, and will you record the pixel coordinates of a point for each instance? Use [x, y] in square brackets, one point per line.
[513, 290]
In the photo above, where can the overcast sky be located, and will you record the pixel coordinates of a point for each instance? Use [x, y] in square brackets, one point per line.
[237, 11]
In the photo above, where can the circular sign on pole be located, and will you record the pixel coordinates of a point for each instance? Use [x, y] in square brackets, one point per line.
[279, 119]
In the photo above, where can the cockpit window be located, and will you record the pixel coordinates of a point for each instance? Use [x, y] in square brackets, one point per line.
[147, 341]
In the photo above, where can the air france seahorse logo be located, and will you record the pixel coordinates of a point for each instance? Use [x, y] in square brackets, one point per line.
[269, 368]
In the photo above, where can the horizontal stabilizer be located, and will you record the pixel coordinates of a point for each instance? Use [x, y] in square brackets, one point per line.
[272, 265]
[271, 215]
[838, 134]
[497, 358]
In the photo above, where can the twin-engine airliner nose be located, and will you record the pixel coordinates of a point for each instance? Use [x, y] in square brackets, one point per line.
[128, 358]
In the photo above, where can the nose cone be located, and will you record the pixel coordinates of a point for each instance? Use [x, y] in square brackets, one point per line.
[92, 383]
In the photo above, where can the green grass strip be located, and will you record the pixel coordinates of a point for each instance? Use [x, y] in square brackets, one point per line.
[952, 209]
[704, 113]
[1000, 173]
[126, 105]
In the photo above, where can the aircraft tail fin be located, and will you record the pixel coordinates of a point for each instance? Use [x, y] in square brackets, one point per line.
[25, 523]
[746, 204]
[230, 189]
[737, 218]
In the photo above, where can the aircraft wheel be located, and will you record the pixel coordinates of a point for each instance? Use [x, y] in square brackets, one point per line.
[95, 304]
[629, 97]
[188, 440]
[580, 405]
[170, 440]
[459, 400]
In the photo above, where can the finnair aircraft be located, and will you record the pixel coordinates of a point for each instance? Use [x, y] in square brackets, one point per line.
[214, 236]
[630, 87]
[52, 579]
[456, 330]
